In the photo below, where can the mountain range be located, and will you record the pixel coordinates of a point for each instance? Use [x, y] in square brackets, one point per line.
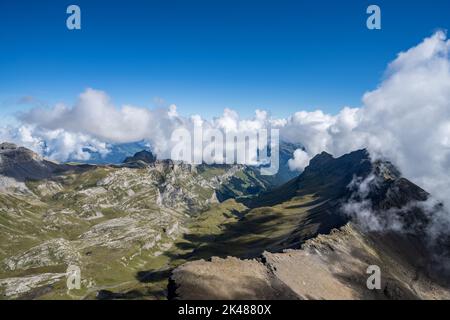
[147, 228]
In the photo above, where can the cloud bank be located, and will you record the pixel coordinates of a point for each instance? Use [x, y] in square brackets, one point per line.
[405, 119]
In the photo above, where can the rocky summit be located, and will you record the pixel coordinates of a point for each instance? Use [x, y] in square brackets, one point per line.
[144, 156]
[161, 229]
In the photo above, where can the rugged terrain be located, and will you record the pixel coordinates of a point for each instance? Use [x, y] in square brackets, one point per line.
[311, 249]
[113, 221]
[329, 266]
[158, 229]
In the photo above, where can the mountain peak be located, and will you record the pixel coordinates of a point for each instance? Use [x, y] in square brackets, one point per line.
[21, 163]
[12, 153]
[326, 162]
[7, 146]
[144, 156]
[320, 159]
[324, 158]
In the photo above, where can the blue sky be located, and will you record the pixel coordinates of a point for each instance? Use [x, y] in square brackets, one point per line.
[204, 56]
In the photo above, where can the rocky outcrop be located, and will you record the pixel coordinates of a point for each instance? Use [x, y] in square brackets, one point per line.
[228, 278]
[49, 253]
[328, 267]
[16, 287]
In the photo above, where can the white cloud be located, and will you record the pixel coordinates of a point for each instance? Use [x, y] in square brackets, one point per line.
[406, 119]
[55, 144]
[94, 122]
[300, 160]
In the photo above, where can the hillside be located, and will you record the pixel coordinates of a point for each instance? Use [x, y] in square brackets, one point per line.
[113, 221]
[300, 242]
[158, 229]
[328, 267]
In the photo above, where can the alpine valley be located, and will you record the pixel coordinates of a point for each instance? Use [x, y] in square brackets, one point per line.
[139, 227]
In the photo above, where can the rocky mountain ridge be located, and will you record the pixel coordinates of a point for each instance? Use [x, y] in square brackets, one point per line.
[331, 267]
[327, 256]
[131, 227]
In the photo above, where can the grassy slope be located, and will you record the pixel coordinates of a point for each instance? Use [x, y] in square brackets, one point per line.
[61, 209]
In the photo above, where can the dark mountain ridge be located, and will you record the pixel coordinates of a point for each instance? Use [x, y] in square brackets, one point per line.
[324, 176]
[23, 164]
[144, 156]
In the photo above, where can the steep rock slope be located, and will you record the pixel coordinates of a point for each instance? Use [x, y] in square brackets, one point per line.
[327, 267]
[322, 255]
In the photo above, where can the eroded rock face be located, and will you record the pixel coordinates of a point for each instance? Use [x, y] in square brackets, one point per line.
[15, 287]
[228, 278]
[327, 267]
[49, 253]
